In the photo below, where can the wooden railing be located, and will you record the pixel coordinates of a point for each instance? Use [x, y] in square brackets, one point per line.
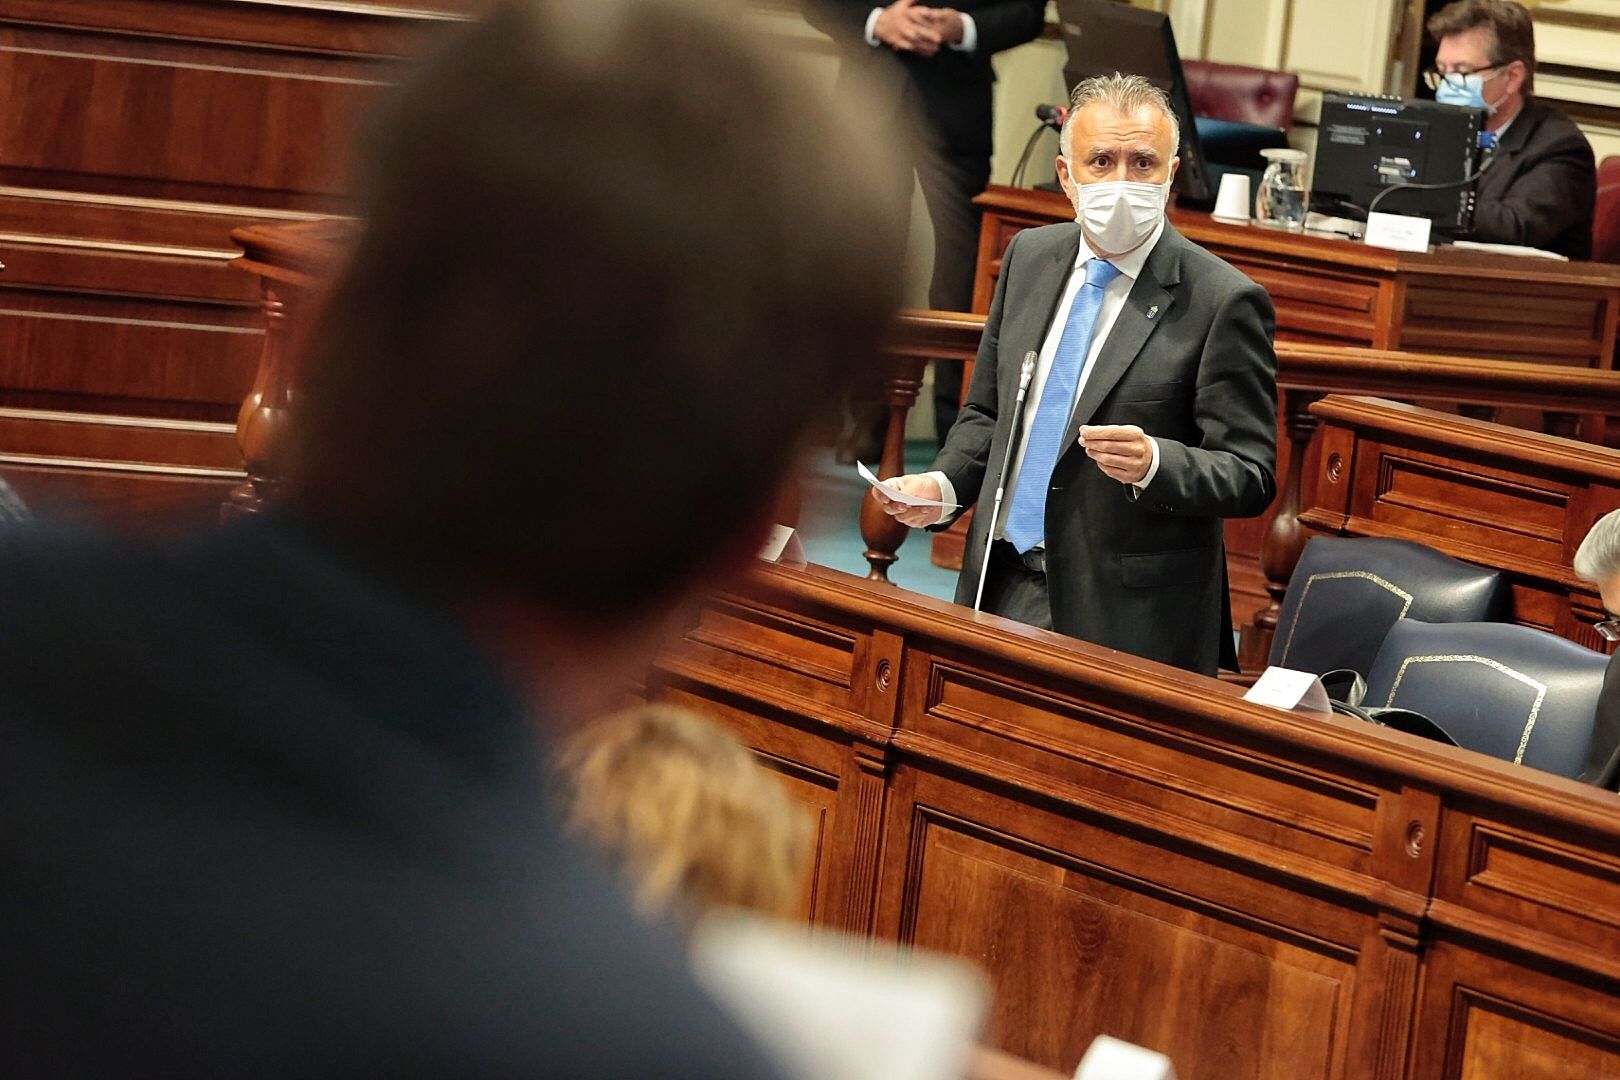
[1305, 374]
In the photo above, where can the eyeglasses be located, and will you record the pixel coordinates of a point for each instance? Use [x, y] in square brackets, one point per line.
[1433, 77]
[1608, 629]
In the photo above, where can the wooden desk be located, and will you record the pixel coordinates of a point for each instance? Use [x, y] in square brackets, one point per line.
[1333, 290]
[1130, 849]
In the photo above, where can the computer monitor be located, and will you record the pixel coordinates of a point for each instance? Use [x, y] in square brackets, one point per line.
[1367, 143]
[1104, 36]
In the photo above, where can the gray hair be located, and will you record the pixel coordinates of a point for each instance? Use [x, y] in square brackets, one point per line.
[1598, 558]
[1125, 94]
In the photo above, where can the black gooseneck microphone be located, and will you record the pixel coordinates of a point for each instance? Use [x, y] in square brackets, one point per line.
[1051, 117]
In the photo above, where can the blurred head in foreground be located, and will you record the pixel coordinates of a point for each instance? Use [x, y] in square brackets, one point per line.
[686, 812]
[598, 297]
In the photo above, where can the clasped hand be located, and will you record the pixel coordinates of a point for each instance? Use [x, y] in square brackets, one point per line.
[907, 26]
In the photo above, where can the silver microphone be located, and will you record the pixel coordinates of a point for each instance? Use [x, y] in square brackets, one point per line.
[1025, 375]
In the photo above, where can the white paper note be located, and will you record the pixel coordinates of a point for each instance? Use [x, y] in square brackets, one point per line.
[900, 496]
[783, 546]
[1115, 1059]
[832, 1007]
[1398, 232]
[1284, 688]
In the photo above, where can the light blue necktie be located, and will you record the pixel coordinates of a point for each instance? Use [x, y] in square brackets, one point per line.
[1026, 518]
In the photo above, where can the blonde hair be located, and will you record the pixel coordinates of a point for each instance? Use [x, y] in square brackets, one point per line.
[693, 820]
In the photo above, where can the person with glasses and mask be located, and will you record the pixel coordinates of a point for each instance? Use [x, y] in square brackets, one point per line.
[1151, 412]
[1540, 189]
[1597, 560]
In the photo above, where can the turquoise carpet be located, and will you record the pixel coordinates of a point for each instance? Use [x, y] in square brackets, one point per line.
[830, 526]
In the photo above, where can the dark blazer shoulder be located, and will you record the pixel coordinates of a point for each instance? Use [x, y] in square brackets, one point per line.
[1048, 239]
[1178, 259]
[1546, 125]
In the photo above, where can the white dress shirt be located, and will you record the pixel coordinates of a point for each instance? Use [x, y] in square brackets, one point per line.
[1129, 266]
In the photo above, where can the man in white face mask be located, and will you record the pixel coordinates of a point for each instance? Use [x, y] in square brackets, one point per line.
[1151, 413]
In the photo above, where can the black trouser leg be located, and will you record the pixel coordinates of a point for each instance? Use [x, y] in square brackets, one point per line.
[949, 181]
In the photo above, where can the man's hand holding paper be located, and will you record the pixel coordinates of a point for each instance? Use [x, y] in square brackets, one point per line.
[914, 500]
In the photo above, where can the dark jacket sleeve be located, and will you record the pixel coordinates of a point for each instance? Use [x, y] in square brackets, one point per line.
[1542, 204]
[966, 453]
[1002, 26]
[1231, 473]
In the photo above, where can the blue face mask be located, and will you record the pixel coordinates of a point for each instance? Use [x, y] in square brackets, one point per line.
[1471, 93]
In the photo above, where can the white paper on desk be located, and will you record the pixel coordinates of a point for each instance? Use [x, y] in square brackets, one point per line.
[783, 546]
[1398, 232]
[831, 1007]
[1508, 249]
[900, 496]
[1115, 1059]
[1284, 688]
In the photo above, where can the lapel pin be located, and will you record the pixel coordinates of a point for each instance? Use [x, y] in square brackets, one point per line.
[1153, 312]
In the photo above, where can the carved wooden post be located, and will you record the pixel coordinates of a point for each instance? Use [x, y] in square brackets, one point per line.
[262, 421]
[882, 533]
[1284, 538]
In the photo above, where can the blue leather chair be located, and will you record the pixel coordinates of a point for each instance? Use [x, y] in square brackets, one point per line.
[1346, 593]
[1513, 692]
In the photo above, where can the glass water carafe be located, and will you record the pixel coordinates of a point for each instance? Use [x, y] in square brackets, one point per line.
[1280, 201]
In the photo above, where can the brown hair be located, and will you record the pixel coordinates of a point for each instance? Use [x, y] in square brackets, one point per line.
[1513, 34]
[616, 254]
[690, 816]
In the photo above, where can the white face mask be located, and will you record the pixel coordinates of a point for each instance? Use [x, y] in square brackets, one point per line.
[1118, 215]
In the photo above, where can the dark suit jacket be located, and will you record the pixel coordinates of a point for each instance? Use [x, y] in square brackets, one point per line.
[950, 89]
[263, 812]
[1603, 756]
[1190, 360]
[1541, 189]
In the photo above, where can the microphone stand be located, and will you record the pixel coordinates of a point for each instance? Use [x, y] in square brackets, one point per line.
[1024, 376]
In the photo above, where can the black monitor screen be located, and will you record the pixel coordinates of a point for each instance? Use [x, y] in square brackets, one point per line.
[1366, 144]
[1103, 37]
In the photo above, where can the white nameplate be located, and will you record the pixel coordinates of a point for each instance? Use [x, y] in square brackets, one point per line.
[1398, 232]
[1115, 1059]
[783, 546]
[1295, 691]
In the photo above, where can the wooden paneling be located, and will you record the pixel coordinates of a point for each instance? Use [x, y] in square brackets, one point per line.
[127, 472]
[1133, 850]
[135, 135]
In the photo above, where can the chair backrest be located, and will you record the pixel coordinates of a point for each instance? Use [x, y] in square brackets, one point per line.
[1513, 692]
[1248, 95]
[1347, 592]
[1606, 219]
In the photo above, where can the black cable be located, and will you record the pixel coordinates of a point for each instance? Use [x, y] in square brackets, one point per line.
[1372, 207]
[1023, 159]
